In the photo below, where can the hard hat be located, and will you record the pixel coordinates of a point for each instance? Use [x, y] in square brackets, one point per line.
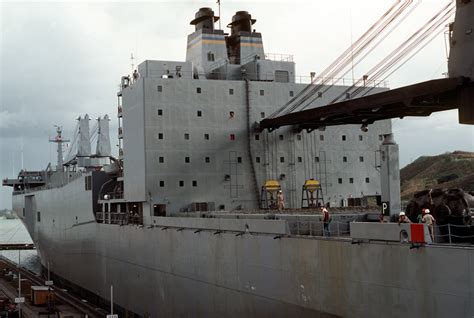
[427, 210]
[402, 213]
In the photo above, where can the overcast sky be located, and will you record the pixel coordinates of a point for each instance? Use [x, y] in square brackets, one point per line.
[63, 59]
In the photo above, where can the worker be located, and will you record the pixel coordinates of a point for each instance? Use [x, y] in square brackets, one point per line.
[281, 200]
[135, 75]
[402, 218]
[326, 219]
[419, 218]
[430, 221]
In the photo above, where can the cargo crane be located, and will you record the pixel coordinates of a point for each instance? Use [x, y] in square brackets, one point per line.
[421, 99]
[354, 106]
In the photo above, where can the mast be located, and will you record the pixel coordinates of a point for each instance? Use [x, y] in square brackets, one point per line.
[59, 141]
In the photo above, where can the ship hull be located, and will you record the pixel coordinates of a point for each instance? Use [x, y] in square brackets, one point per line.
[177, 272]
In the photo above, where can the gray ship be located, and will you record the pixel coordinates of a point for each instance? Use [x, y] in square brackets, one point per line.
[189, 220]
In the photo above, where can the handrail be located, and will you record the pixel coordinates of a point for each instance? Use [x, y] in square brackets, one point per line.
[269, 76]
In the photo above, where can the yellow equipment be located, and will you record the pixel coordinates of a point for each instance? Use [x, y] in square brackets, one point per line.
[311, 194]
[269, 194]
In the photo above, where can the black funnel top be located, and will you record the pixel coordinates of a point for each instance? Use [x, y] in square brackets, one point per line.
[241, 21]
[204, 19]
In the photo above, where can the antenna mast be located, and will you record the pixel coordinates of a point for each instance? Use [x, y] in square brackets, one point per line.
[59, 140]
[132, 62]
[219, 7]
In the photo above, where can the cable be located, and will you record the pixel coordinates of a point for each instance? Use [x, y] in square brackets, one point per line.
[337, 61]
[366, 54]
[402, 50]
[348, 59]
[404, 62]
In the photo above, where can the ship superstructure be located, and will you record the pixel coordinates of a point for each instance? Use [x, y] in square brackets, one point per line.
[190, 130]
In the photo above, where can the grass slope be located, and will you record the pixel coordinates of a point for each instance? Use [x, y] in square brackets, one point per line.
[449, 170]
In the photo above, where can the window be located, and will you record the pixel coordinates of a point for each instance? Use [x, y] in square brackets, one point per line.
[344, 159]
[210, 57]
[38, 216]
[206, 136]
[239, 159]
[361, 138]
[257, 159]
[162, 183]
[339, 180]
[298, 137]
[321, 137]
[343, 137]
[161, 159]
[316, 159]
[187, 159]
[262, 92]
[367, 180]
[231, 91]
[291, 93]
[160, 136]
[198, 90]
[351, 180]
[159, 210]
[199, 113]
[181, 183]
[257, 137]
[160, 112]
[186, 136]
[282, 76]
[231, 114]
[159, 88]
[195, 183]
[281, 137]
[232, 137]
[282, 159]
[262, 114]
[380, 137]
[361, 159]
[207, 160]
[300, 159]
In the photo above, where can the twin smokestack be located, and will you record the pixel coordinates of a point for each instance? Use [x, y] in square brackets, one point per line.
[241, 22]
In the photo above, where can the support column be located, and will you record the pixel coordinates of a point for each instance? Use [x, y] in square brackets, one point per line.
[390, 175]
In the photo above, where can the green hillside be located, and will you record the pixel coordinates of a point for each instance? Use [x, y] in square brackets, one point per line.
[449, 170]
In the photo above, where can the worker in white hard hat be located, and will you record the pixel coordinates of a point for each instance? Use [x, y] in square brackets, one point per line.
[326, 218]
[281, 200]
[429, 220]
[402, 218]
